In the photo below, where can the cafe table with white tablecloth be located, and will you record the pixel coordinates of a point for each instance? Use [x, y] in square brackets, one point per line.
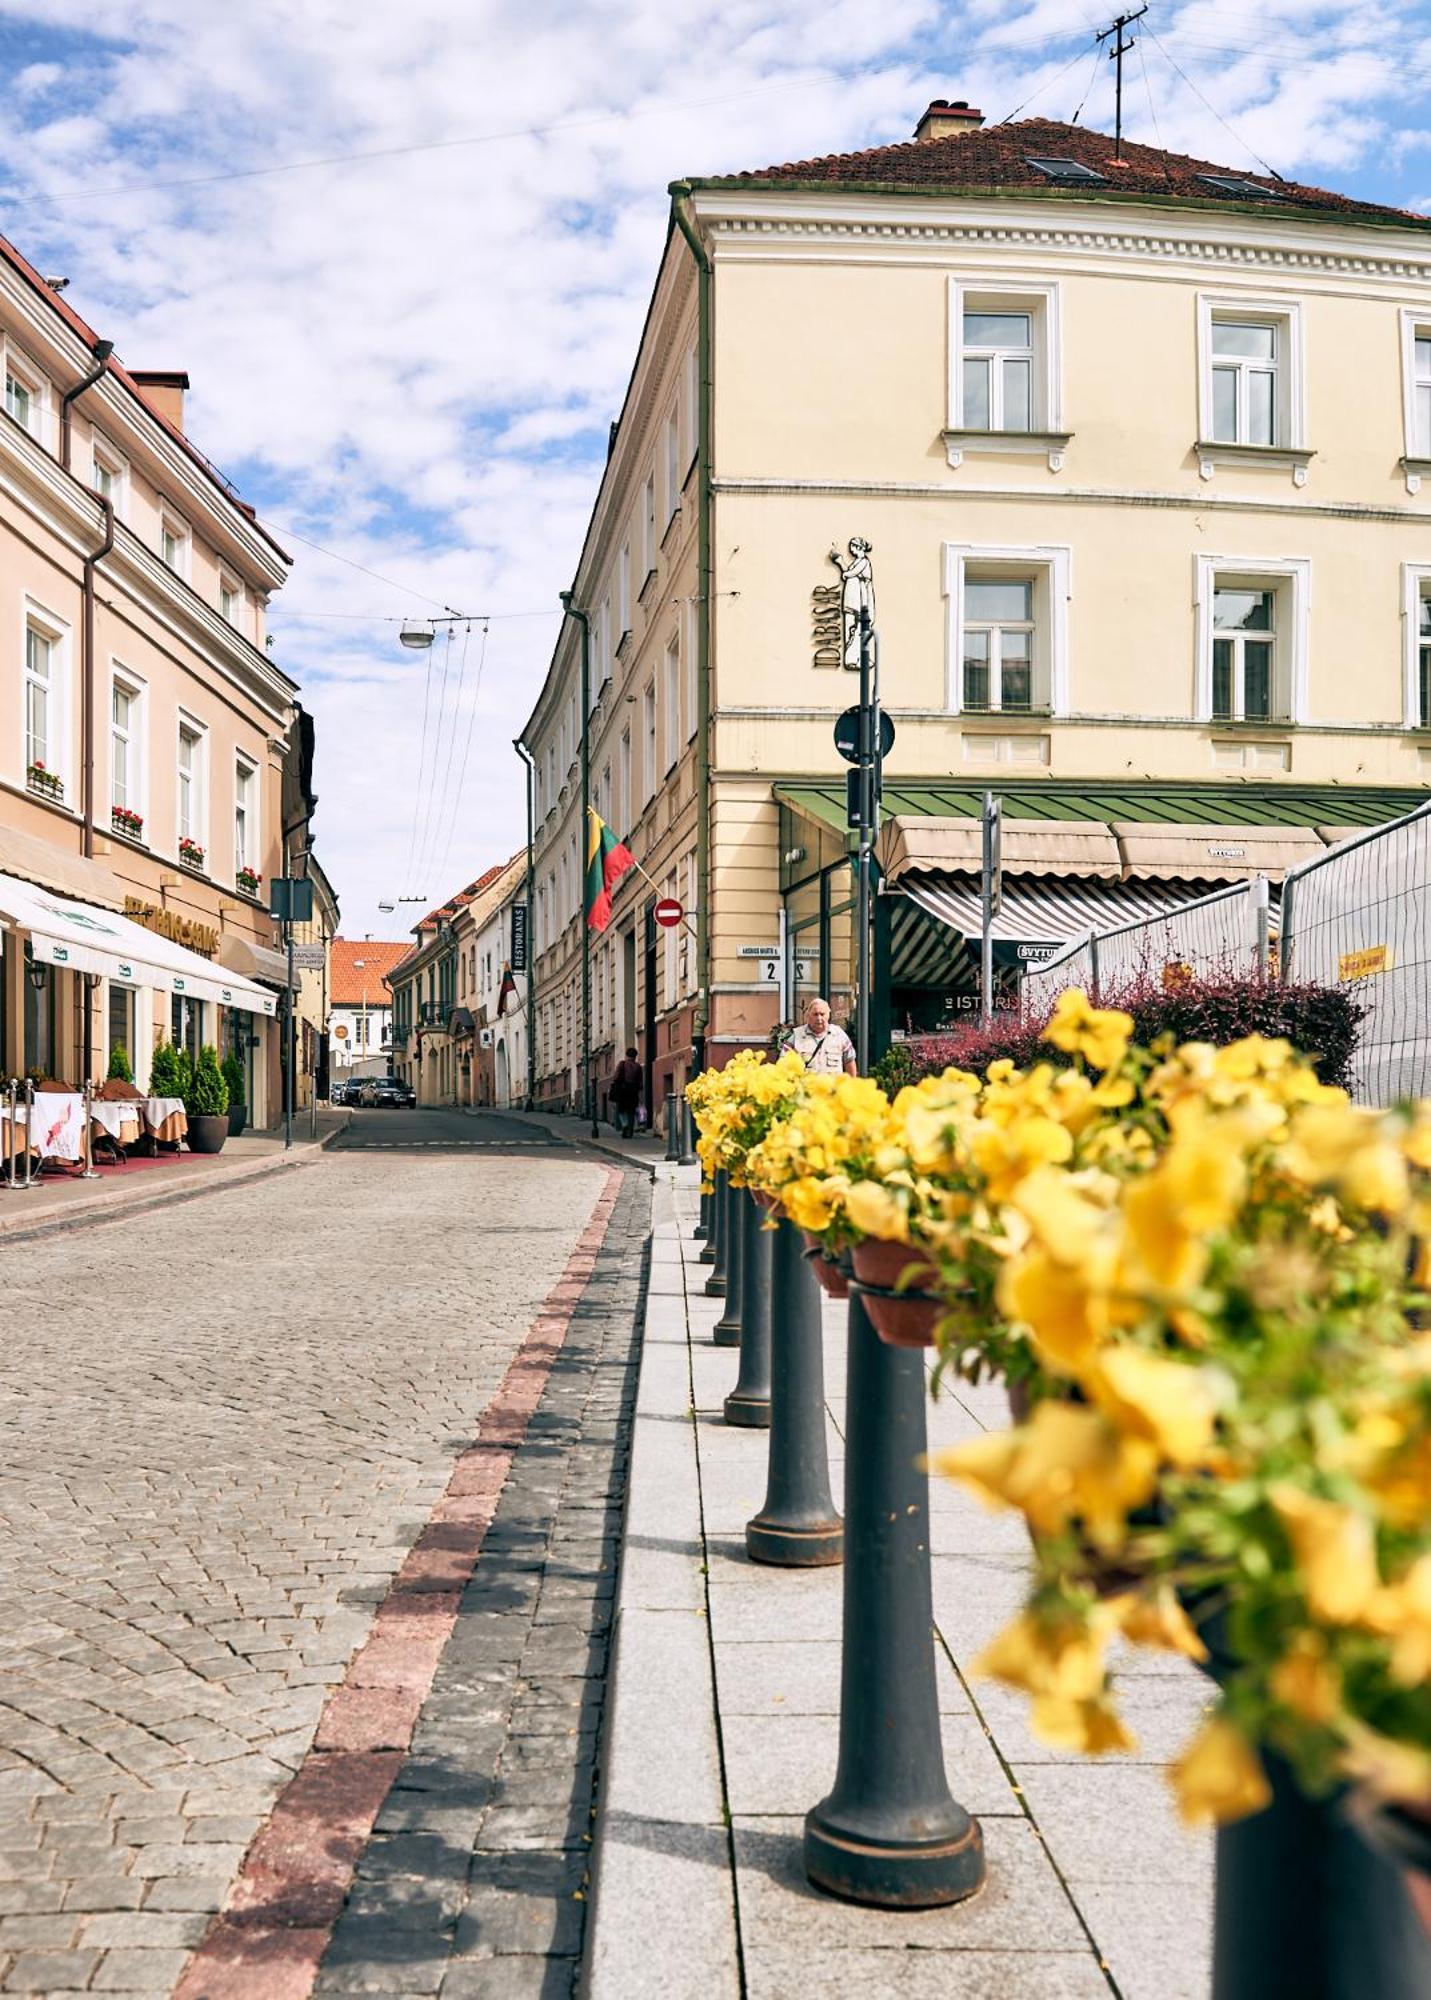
[56, 1124]
[117, 1119]
[164, 1119]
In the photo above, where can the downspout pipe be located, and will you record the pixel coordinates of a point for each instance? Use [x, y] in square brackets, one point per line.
[680, 192]
[588, 1096]
[531, 966]
[102, 351]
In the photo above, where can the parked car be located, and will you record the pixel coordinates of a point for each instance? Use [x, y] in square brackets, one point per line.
[380, 1091]
[343, 1092]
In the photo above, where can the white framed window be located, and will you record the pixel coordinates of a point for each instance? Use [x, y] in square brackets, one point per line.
[1251, 380]
[1004, 369]
[1007, 628]
[126, 751]
[109, 475]
[230, 599]
[173, 543]
[1251, 638]
[673, 466]
[623, 592]
[26, 395]
[192, 788]
[45, 640]
[690, 639]
[671, 703]
[648, 527]
[246, 843]
[648, 743]
[623, 774]
[601, 645]
[1416, 628]
[1416, 390]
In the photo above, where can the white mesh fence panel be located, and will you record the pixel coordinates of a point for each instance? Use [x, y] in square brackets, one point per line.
[1221, 936]
[1072, 967]
[1360, 917]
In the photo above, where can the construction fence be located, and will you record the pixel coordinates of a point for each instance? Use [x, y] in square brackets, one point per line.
[1360, 913]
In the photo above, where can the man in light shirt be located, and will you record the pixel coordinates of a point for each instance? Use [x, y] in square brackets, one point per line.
[822, 1045]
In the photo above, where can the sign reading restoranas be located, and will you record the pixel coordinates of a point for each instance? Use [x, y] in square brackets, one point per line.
[186, 931]
[1362, 964]
[519, 937]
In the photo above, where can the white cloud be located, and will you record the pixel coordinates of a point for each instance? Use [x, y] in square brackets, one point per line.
[403, 356]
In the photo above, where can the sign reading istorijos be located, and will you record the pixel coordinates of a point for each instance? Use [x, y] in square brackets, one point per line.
[1363, 964]
[186, 931]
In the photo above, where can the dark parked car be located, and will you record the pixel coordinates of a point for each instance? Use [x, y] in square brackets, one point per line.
[379, 1091]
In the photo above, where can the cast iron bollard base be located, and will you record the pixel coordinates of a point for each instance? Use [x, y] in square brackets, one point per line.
[688, 1134]
[1306, 1910]
[720, 1237]
[890, 1833]
[797, 1527]
[702, 1230]
[673, 1126]
[748, 1404]
[726, 1332]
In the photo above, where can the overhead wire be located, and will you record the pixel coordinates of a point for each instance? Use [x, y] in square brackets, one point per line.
[441, 785]
[428, 780]
[1038, 91]
[466, 753]
[1229, 129]
[417, 792]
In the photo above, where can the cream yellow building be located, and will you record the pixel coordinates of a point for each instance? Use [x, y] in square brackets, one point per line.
[1138, 449]
[145, 727]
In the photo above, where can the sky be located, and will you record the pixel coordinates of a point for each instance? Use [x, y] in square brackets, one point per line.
[405, 252]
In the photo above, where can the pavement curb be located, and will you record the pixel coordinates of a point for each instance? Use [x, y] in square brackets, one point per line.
[119, 1201]
[662, 1842]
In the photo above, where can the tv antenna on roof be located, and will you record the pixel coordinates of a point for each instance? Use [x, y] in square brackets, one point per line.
[1116, 54]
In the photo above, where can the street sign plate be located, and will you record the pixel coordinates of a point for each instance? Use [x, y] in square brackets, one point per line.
[308, 957]
[290, 899]
[668, 913]
[847, 735]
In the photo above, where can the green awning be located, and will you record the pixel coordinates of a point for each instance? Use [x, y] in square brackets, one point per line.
[1167, 804]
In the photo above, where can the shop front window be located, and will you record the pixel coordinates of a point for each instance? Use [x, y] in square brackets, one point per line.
[121, 1020]
[186, 1024]
[40, 1022]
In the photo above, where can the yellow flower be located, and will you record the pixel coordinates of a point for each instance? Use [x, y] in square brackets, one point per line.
[1158, 1620]
[1066, 1314]
[1091, 1727]
[1099, 1034]
[1400, 1772]
[1171, 1403]
[1066, 1463]
[873, 1210]
[1059, 1657]
[1006, 1154]
[1305, 1681]
[1402, 1612]
[1334, 1548]
[1219, 1777]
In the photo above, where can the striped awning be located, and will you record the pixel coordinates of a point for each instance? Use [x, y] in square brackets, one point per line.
[1041, 909]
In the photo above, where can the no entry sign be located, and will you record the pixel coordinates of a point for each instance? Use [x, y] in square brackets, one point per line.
[668, 913]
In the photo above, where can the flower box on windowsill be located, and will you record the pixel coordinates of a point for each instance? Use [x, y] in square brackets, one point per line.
[48, 784]
[127, 823]
[191, 855]
[247, 881]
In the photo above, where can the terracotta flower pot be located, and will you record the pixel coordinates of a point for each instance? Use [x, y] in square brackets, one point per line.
[829, 1276]
[769, 1202]
[901, 1317]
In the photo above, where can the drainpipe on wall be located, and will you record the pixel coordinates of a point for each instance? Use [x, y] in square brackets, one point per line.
[680, 192]
[531, 968]
[102, 351]
[588, 1095]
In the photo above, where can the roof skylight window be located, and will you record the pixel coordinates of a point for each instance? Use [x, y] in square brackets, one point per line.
[1234, 184]
[1070, 172]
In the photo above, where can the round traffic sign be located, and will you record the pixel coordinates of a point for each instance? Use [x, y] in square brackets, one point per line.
[668, 912]
[847, 735]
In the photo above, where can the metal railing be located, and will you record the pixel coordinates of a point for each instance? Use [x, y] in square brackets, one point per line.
[1226, 934]
[1360, 916]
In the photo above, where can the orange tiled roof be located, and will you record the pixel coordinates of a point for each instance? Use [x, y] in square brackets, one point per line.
[346, 976]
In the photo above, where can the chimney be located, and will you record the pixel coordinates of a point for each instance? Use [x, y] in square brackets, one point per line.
[944, 120]
[163, 389]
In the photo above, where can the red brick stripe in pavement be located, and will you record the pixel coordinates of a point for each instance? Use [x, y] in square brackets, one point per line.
[268, 1941]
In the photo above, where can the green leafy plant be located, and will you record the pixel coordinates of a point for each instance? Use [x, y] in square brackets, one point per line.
[207, 1095]
[120, 1068]
[231, 1069]
[169, 1071]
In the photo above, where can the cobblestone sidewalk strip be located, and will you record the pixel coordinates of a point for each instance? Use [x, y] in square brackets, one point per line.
[280, 1917]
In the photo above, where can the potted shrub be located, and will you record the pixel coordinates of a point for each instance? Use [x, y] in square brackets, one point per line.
[120, 1069]
[207, 1103]
[168, 1072]
[231, 1070]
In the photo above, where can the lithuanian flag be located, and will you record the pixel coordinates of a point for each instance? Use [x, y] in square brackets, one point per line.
[607, 860]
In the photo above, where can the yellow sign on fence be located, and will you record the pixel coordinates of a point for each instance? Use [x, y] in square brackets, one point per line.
[1362, 964]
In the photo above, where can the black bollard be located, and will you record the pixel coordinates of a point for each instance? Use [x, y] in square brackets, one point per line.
[719, 1237]
[673, 1127]
[702, 1230]
[688, 1134]
[1306, 1910]
[889, 1833]
[797, 1527]
[748, 1404]
[726, 1332]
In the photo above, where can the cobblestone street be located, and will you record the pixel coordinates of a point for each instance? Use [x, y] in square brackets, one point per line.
[225, 1427]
